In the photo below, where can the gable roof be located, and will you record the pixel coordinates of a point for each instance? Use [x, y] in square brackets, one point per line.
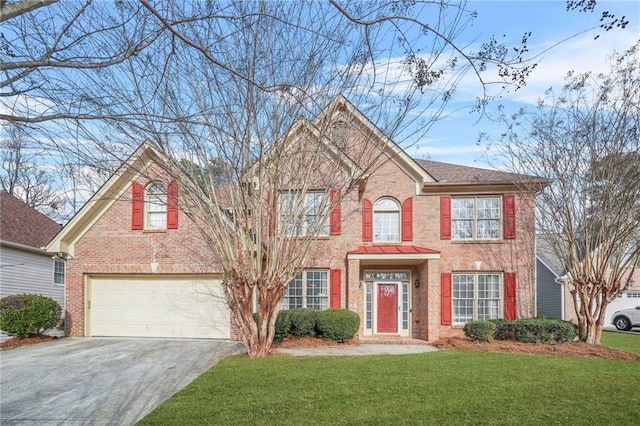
[546, 254]
[24, 225]
[108, 193]
[341, 105]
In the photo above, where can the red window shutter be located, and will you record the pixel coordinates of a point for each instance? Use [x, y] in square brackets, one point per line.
[336, 214]
[407, 219]
[510, 295]
[445, 297]
[367, 220]
[445, 217]
[509, 202]
[137, 213]
[336, 278]
[172, 205]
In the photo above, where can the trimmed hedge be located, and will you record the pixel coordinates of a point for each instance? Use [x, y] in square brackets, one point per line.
[333, 324]
[480, 331]
[525, 330]
[338, 324]
[505, 329]
[283, 326]
[24, 315]
[303, 322]
[545, 330]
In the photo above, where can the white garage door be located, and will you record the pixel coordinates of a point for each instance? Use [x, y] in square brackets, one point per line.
[157, 306]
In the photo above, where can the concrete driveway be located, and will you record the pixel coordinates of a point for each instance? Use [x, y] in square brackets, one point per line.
[99, 381]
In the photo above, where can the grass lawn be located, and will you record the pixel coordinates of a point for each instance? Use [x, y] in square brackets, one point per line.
[444, 387]
[622, 341]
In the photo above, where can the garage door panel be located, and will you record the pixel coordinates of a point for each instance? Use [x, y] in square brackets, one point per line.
[158, 307]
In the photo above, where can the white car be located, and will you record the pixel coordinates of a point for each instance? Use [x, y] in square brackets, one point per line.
[626, 318]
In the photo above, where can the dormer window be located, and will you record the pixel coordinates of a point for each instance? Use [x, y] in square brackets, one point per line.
[386, 221]
[156, 206]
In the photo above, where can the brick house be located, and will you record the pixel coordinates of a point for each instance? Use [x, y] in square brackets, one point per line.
[417, 249]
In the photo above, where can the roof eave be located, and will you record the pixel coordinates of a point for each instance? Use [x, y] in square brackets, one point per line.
[488, 187]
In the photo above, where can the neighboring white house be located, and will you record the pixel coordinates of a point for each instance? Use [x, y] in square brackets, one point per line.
[24, 265]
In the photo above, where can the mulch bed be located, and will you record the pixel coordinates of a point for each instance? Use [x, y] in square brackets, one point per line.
[26, 341]
[571, 349]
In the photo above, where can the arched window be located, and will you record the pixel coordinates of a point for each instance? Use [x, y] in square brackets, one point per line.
[156, 206]
[386, 220]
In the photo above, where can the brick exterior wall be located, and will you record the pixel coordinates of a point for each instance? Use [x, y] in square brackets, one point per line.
[109, 246]
[499, 256]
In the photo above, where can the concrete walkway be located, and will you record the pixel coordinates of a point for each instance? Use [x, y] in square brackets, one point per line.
[364, 349]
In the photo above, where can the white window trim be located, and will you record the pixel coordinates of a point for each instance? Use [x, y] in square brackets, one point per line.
[398, 210]
[303, 230]
[304, 288]
[475, 218]
[475, 294]
[64, 272]
[147, 202]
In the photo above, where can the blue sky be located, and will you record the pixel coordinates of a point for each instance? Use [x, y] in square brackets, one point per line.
[454, 138]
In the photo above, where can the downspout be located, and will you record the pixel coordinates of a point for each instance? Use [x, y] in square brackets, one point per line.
[346, 285]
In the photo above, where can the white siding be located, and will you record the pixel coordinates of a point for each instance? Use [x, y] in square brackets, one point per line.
[26, 272]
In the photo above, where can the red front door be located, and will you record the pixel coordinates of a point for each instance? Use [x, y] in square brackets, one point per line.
[387, 308]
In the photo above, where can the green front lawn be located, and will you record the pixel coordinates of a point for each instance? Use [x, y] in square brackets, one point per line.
[622, 341]
[444, 387]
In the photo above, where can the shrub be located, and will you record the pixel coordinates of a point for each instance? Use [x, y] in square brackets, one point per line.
[25, 315]
[545, 330]
[505, 329]
[256, 318]
[283, 326]
[303, 322]
[480, 331]
[338, 324]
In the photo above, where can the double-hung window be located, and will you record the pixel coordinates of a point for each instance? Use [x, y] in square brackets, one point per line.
[58, 271]
[475, 218]
[304, 213]
[156, 206]
[309, 289]
[476, 297]
[386, 221]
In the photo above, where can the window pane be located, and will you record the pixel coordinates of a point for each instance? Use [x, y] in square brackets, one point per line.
[487, 309]
[488, 296]
[317, 295]
[386, 204]
[58, 271]
[386, 226]
[462, 229]
[156, 205]
[369, 304]
[488, 286]
[293, 296]
[462, 310]
[488, 229]
[462, 208]
[463, 286]
[475, 218]
[488, 208]
[157, 220]
[405, 306]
